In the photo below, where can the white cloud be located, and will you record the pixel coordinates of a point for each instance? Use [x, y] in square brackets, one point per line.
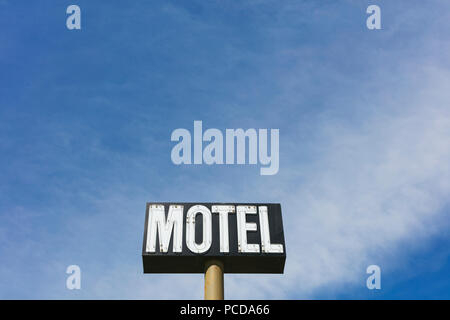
[374, 187]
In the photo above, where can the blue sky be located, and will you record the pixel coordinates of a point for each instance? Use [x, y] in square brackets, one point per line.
[86, 117]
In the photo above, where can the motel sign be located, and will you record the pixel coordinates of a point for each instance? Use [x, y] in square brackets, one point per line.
[183, 237]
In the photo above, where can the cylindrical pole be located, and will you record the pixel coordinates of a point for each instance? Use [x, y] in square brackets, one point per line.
[214, 280]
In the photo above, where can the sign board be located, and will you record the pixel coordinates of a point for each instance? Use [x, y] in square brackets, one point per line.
[182, 237]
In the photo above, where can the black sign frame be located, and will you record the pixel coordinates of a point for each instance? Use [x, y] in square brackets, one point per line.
[234, 261]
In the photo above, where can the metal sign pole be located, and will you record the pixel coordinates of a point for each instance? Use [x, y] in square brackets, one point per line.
[214, 280]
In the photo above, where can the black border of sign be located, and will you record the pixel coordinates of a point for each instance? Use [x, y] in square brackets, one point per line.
[234, 262]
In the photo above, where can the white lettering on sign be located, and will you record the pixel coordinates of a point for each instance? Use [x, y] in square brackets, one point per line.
[164, 227]
[190, 229]
[157, 223]
[243, 227]
[223, 212]
[267, 246]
